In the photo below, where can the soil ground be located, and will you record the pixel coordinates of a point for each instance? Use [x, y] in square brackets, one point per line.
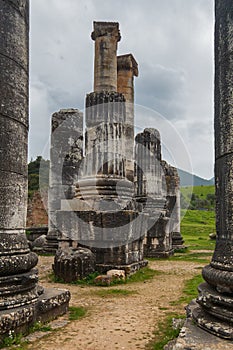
[121, 321]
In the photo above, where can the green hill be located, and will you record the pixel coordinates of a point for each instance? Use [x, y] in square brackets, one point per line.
[198, 197]
[188, 179]
[38, 175]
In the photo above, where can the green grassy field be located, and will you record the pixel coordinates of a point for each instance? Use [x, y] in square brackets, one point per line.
[195, 229]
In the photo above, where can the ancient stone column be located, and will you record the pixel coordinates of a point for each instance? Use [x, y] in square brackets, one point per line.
[22, 302]
[173, 204]
[148, 168]
[104, 174]
[66, 153]
[106, 36]
[151, 193]
[215, 312]
[127, 69]
[16, 260]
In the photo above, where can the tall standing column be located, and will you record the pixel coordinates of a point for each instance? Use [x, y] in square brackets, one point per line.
[104, 177]
[21, 301]
[127, 69]
[66, 154]
[216, 296]
[16, 260]
[106, 36]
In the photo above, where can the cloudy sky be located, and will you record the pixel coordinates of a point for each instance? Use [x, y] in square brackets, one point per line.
[173, 43]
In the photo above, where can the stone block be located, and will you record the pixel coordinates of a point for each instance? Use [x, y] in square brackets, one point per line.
[73, 264]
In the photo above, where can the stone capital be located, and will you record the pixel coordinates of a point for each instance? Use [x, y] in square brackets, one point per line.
[127, 62]
[102, 29]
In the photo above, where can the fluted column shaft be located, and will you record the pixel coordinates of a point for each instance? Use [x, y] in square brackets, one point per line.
[16, 260]
[148, 157]
[223, 255]
[215, 300]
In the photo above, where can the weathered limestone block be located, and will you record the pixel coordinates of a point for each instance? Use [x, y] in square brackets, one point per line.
[39, 243]
[101, 228]
[106, 36]
[116, 238]
[72, 264]
[214, 311]
[116, 274]
[103, 280]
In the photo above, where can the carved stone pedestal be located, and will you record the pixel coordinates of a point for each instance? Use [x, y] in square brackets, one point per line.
[115, 238]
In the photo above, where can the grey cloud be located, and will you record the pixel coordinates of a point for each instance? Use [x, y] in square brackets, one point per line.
[162, 89]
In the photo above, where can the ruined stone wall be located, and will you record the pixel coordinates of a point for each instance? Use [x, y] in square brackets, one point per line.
[37, 210]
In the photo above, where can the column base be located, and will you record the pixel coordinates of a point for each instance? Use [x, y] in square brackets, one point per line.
[193, 337]
[177, 241]
[129, 268]
[50, 304]
[213, 311]
[52, 243]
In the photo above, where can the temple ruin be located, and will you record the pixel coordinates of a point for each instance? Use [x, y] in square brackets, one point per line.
[111, 198]
[22, 300]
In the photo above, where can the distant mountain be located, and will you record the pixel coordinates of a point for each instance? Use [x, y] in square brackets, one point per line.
[187, 179]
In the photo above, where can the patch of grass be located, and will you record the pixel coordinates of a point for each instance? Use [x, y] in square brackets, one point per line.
[190, 290]
[45, 254]
[181, 250]
[202, 258]
[143, 274]
[140, 276]
[11, 340]
[165, 333]
[15, 340]
[199, 217]
[40, 327]
[114, 292]
[89, 280]
[195, 229]
[75, 313]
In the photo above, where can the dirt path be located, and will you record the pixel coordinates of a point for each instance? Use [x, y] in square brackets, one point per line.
[118, 322]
